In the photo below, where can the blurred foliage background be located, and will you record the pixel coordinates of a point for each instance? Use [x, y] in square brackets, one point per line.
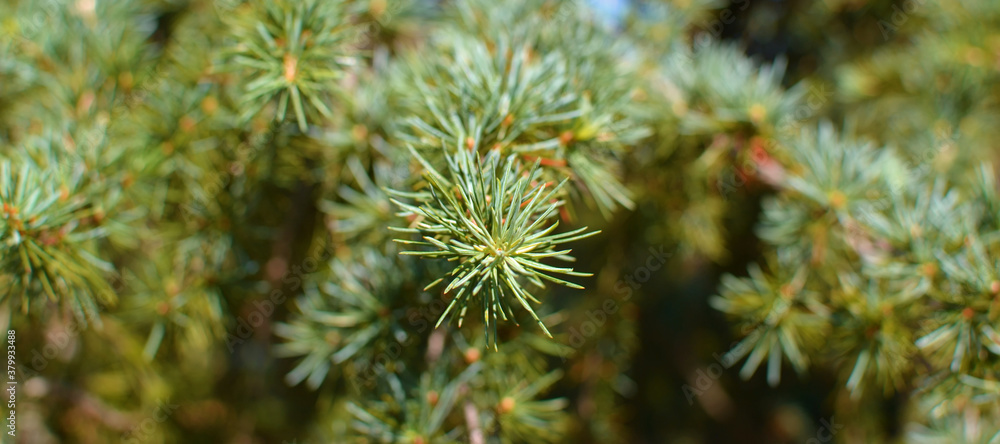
[241, 221]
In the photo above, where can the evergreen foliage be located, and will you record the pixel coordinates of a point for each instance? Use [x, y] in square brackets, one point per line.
[261, 217]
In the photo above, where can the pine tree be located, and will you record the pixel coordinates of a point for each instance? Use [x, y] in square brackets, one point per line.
[449, 221]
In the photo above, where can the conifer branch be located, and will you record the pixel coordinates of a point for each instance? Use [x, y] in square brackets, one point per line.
[495, 221]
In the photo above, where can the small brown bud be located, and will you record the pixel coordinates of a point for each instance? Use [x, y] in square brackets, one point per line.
[291, 66]
[85, 102]
[968, 313]
[837, 200]
[887, 309]
[506, 405]
[566, 137]
[472, 355]
[871, 331]
[929, 269]
[359, 132]
[126, 80]
[787, 291]
[209, 105]
[187, 124]
[171, 288]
